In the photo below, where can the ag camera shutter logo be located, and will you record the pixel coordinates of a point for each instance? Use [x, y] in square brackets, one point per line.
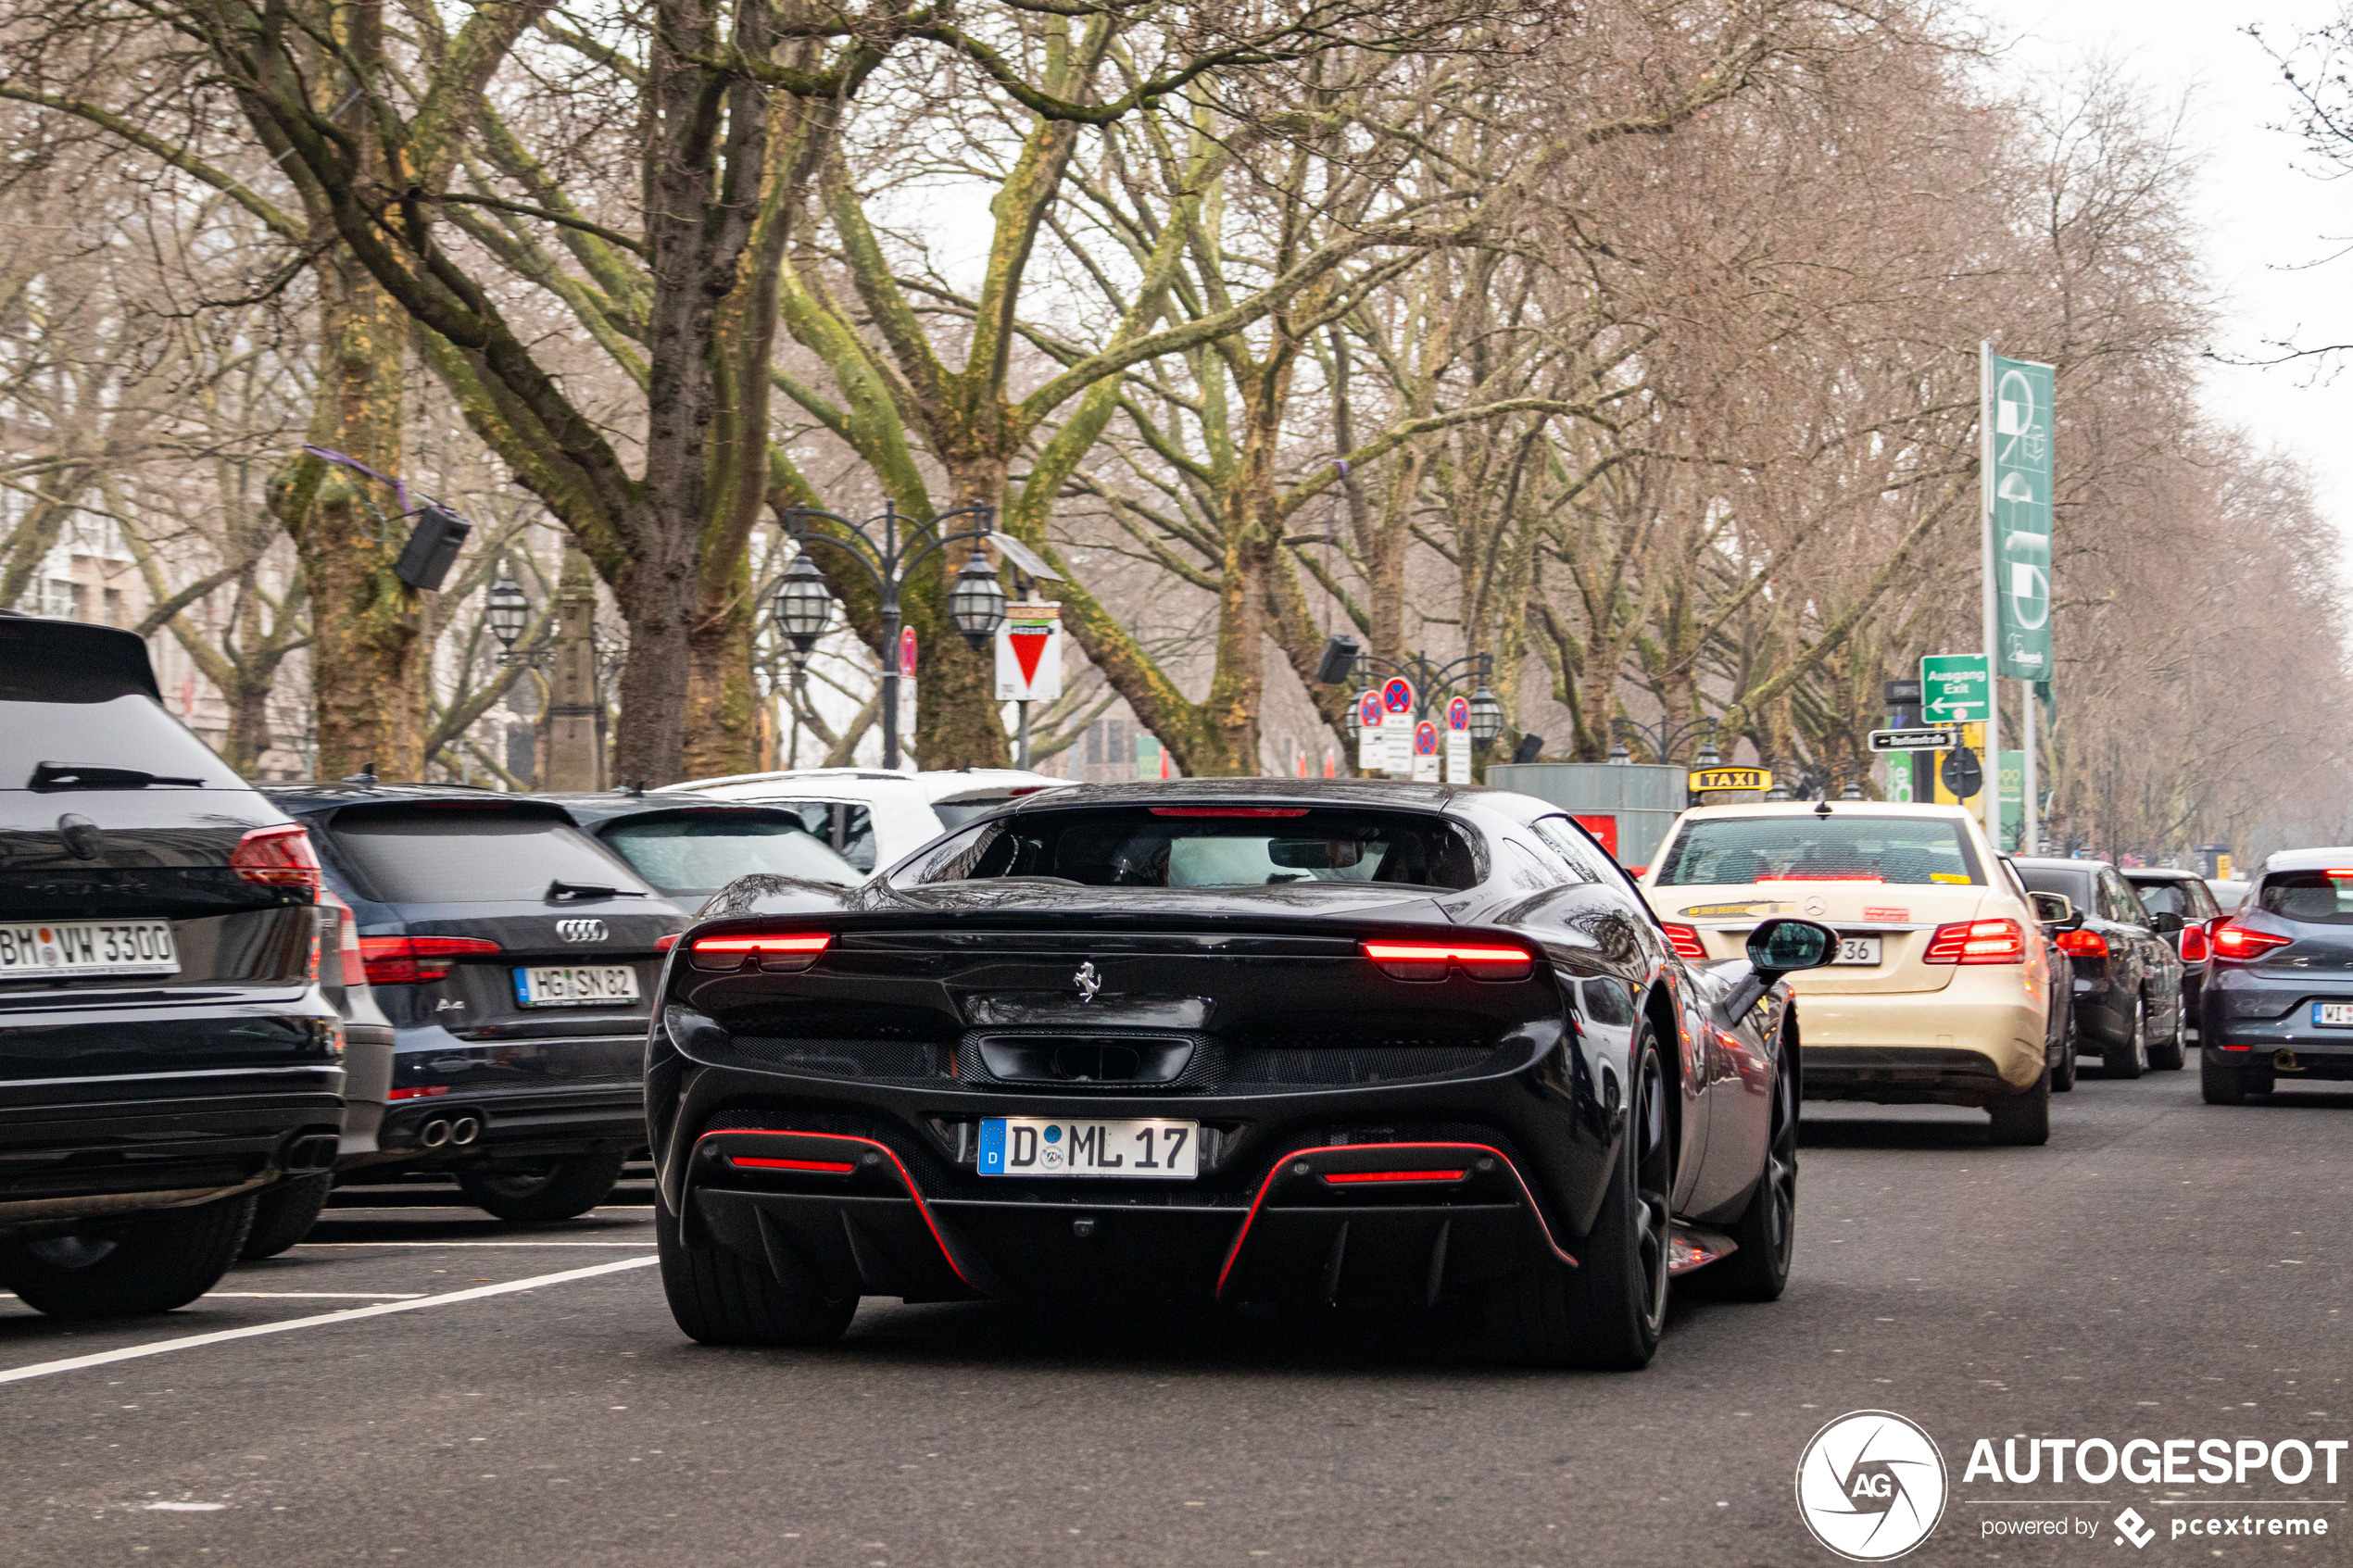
[1871, 1485]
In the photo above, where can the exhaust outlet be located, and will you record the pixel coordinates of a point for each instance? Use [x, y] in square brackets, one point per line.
[312, 1153]
[2285, 1061]
[464, 1130]
[435, 1134]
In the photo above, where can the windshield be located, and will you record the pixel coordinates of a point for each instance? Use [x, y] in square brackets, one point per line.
[129, 730]
[702, 854]
[1211, 846]
[472, 854]
[1714, 851]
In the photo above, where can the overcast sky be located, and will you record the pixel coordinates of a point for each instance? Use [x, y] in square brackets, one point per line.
[2260, 214]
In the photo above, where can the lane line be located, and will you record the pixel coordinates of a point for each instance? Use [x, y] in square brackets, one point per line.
[348, 1314]
[319, 1296]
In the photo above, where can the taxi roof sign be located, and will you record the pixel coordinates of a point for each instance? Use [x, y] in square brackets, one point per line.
[1706, 779]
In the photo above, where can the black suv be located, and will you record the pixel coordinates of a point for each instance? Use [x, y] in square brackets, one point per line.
[514, 955]
[166, 1054]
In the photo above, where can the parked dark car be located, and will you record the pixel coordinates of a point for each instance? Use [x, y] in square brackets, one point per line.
[690, 849]
[2055, 918]
[2164, 891]
[2278, 990]
[1249, 1041]
[514, 955]
[166, 1057]
[2128, 981]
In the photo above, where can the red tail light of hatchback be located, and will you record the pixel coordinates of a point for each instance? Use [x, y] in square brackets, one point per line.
[2242, 943]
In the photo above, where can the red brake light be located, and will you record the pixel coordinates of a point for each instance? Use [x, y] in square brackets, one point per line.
[414, 961]
[1685, 940]
[663, 944]
[1977, 941]
[2237, 941]
[1347, 1178]
[426, 1093]
[1229, 810]
[2193, 944]
[784, 950]
[278, 858]
[2082, 943]
[1428, 960]
[821, 1167]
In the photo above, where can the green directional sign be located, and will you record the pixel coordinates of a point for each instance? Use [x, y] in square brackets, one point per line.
[1954, 689]
[2021, 520]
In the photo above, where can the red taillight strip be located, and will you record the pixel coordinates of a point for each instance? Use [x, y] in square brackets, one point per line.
[1268, 1185]
[782, 942]
[1684, 940]
[1228, 810]
[822, 1167]
[1346, 1178]
[885, 1150]
[663, 944]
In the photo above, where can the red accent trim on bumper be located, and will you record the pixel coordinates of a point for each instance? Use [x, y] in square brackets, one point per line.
[1348, 1178]
[885, 1150]
[1263, 1187]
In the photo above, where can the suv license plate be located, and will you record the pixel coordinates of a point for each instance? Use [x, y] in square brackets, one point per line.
[562, 985]
[1857, 951]
[1032, 1145]
[62, 949]
[2332, 1015]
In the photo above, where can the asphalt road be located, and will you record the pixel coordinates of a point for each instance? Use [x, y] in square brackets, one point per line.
[2163, 1268]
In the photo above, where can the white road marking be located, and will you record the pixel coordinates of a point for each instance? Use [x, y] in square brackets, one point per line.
[316, 1296]
[189, 1342]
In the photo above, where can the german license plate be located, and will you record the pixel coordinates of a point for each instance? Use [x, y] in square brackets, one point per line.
[1857, 951]
[63, 950]
[562, 985]
[1033, 1145]
[2332, 1015]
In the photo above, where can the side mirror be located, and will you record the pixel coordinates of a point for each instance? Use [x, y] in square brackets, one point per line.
[2054, 909]
[2167, 923]
[1784, 947]
[1775, 948]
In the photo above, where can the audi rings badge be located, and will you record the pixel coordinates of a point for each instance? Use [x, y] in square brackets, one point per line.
[581, 930]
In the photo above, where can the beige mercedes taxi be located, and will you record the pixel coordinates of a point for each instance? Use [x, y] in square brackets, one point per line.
[1940, 992]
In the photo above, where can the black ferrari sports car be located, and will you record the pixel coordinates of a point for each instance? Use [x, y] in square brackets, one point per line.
[1247, 1041]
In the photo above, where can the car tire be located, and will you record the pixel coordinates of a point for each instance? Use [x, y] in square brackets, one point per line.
[2024, 1120]
[2063, 1075]
[283, 1214]
[1767, 1232]
[150, 1264]
[558, 1189]
[2229, 1085]
[2130, 1058]
[1604, 1315]
[718, 1296]
[2174, 1053]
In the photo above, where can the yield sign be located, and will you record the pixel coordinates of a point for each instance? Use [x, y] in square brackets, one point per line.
[1029, 654]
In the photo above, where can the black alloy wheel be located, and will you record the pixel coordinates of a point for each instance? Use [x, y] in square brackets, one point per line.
[2063, 1075]
[1767, 1232]
[128, 1267]
[1605, 1313]
[550, 1189]
[2130, 1058]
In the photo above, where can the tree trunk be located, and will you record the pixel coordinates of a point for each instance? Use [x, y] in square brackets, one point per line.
[957, 723]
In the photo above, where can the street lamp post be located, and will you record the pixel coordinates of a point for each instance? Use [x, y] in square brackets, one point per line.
[803, 605]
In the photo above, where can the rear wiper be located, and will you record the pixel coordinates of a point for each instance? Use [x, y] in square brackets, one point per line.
[559, 890]
[49, 776]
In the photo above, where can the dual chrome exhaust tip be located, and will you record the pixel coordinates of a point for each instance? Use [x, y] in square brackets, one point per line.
[451, 1132]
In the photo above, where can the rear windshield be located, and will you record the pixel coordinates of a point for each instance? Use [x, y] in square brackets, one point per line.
[2071, 885]
[127, 730]
[468, 855]
[1172, 847]
[1738, 850]
[2313, 898]
[703, 854]
[965, 808]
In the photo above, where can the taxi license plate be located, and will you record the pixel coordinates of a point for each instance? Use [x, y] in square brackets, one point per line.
[2332, 1015]
[1034, 1146]
[64, 949]
[560, 985]
[1857, 951]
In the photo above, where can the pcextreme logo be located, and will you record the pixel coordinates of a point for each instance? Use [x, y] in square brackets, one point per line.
[1871, 1485]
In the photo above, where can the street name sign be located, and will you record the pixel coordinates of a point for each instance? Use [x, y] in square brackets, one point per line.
[1915, 740]
[1955, 689]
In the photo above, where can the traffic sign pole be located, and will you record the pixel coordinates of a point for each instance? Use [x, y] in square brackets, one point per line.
[1993, 802]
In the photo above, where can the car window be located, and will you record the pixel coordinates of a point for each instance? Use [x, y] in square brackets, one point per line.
[2075, 885]
[2169, 899]
[90, 725]
[1741, 850]
[849, 830]
[472, 855]
[1565, 839]
[1205, 847]
[702, 854]
[2122, 904]
[1530, 870]
[2313, 898]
